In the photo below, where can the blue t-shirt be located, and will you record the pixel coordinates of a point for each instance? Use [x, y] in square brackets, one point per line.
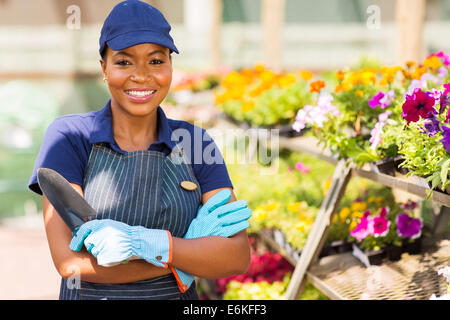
[69, 139]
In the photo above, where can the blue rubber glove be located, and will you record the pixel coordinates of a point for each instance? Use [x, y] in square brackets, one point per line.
[113, 242]
[215, 218]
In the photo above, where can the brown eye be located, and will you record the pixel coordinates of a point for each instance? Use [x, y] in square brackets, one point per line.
[156, 61]
[122, 63]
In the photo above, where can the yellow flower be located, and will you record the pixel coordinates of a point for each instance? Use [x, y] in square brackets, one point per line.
[418, 72]
[371, 199]
[301, 226]
[306, 75]
[259, 67]
[287, 80]
[267, 76]
[335, 217]
[340, 75]
[344, 212]
[353, 225]
[359, 93]
[358, 206]
[326, 186]
[259, 214]
[357, 214]
[432, 62]
[294, 207]
[272, 206]
[248, 106]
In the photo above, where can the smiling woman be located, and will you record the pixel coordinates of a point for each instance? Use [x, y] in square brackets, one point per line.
[178, 216]
[139, 79]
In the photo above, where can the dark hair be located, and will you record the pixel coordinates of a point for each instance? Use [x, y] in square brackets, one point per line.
[103, 53]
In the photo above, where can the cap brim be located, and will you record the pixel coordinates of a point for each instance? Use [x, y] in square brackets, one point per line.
[130, 39]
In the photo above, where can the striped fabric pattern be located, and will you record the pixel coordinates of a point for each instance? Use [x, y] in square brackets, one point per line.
[140, 188]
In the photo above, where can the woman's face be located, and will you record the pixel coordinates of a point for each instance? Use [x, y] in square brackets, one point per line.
[139, 77]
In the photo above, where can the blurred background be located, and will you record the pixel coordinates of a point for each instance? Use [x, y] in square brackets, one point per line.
[49, 66]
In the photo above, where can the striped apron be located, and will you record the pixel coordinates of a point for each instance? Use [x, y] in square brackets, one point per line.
[140, 188]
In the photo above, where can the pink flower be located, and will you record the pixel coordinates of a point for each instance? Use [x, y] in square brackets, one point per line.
[300, 166]
[362, 230]
[380, 226]
[382, 100]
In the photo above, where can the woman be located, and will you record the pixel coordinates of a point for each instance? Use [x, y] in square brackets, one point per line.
[155, 201]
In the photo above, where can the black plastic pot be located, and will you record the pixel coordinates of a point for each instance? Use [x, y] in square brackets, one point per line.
[397, 162]
[386, 166]
[414, 247]
[335, 247]
[394, 253]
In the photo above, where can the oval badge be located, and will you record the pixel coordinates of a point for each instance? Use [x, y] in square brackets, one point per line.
[188, 185]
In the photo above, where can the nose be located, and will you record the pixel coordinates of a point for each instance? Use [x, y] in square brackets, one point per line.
[140, 74]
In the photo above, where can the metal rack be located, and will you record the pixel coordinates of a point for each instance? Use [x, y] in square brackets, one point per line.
[342, 276]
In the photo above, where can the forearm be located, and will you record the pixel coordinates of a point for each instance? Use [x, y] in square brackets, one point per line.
[84, 265]
[212, 257]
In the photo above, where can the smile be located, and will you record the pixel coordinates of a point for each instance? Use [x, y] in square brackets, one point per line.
[140, 95]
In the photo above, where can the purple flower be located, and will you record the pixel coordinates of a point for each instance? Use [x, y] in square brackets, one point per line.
[446, 138]
[418, 105]
[375, 101]
[316, 115]
[432, 126]
[409, 205]
[442, 73]
[408, 227]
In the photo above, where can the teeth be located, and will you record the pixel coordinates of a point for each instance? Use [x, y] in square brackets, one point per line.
[140, 93]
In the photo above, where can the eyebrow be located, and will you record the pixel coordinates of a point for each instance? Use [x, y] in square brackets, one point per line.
[130, 55]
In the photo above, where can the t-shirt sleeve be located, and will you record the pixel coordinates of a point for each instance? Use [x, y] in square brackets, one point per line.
[211, 172]
[61, 152]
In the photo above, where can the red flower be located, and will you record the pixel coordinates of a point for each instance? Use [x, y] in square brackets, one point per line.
[418, 105]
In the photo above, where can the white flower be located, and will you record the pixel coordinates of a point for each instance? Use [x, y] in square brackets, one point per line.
[445, 272]
[444, 297]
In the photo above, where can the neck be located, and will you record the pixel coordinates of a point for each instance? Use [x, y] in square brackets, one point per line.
[132, 132]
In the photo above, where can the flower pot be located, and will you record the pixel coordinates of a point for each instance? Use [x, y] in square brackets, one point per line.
[386, 166]
[335, 247]
[369, 258]
[397, 162]
[414, 247]
[393, 252]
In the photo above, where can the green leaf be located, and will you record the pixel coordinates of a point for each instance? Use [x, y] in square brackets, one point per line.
[444, 171]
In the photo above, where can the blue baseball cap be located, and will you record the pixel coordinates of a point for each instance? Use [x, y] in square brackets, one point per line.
[133, 22]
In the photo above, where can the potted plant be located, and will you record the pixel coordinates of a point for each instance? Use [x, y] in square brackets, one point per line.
[259, 97]
[409, 228]
[370, 235]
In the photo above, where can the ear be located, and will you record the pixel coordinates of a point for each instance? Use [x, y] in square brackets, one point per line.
[103, 65]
